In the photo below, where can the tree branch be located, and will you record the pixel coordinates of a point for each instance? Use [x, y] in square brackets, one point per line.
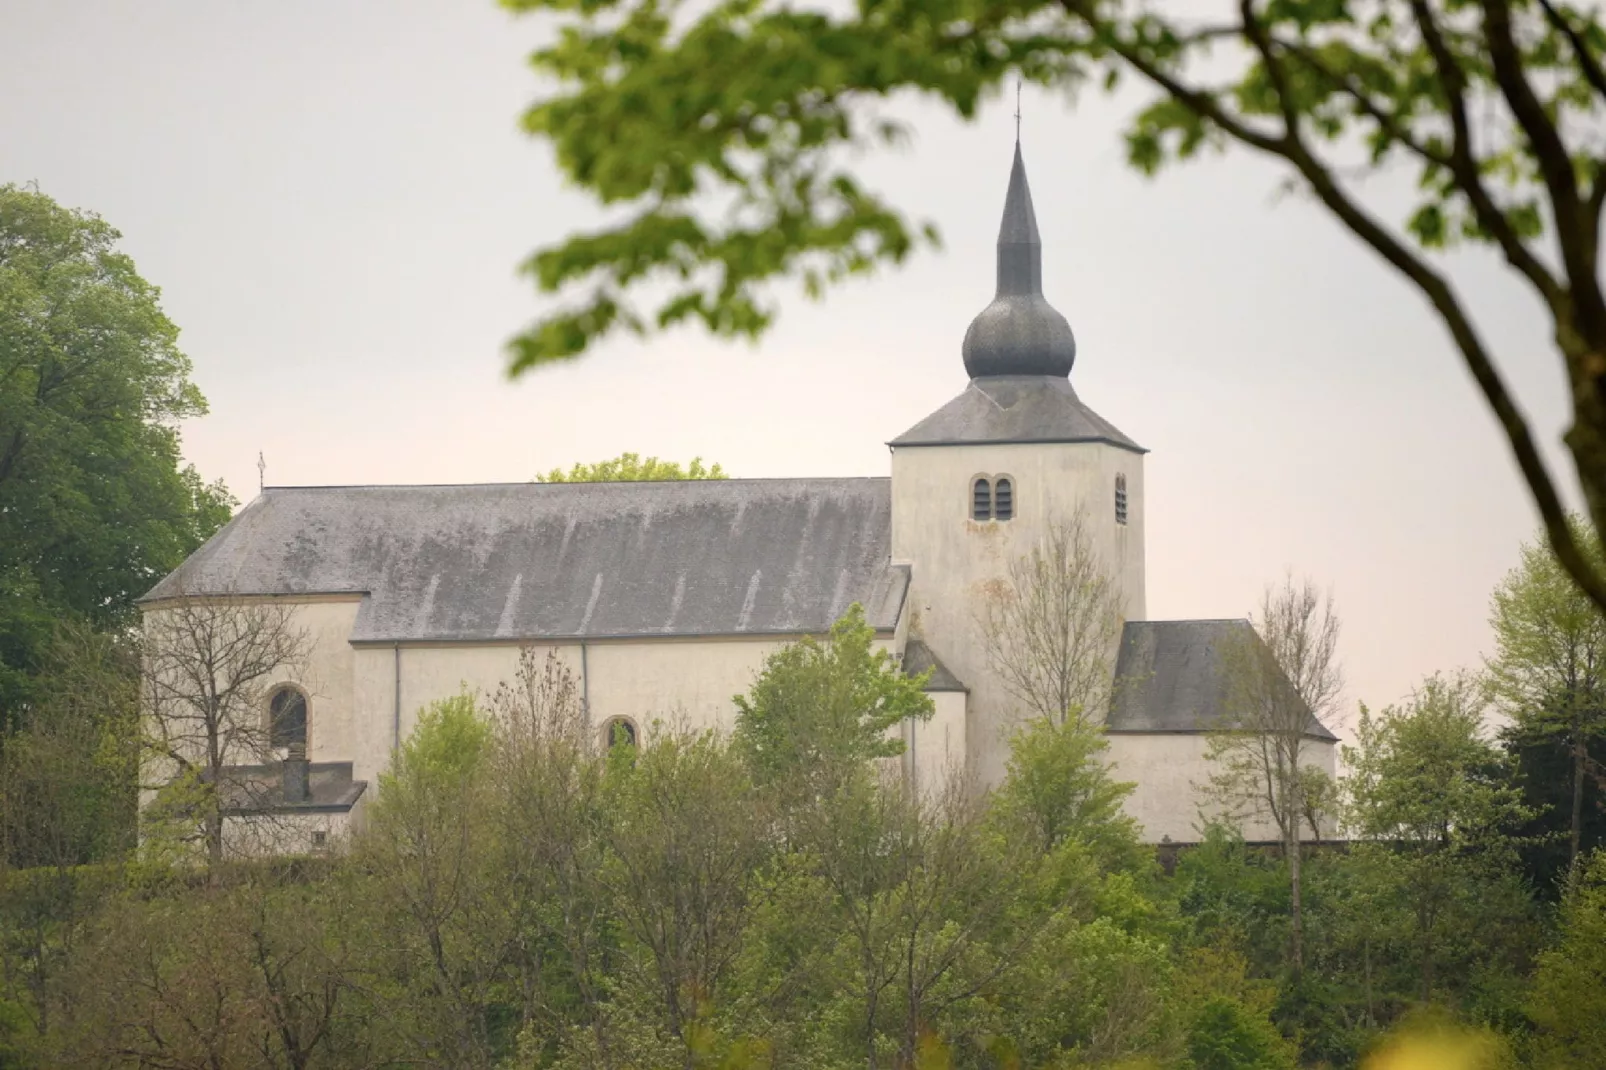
[1464, 164]
[1592, 70]
[1431, 283]
[1555, 166]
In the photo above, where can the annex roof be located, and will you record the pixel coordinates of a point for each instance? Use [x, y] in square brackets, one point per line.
[1016, 408]
[1170, 676]
[259, 789]
[513, 561]
[918, 657]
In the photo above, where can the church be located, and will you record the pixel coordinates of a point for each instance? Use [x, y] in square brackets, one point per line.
[665, 598]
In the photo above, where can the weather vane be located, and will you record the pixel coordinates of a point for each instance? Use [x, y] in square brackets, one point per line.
[1017, 109]
[262, 472]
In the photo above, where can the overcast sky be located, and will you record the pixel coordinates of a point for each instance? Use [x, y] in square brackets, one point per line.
[334, 196]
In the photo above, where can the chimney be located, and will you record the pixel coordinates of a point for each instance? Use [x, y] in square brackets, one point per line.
[296, 769]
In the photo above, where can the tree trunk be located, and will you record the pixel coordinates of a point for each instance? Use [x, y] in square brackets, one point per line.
[1366, 962]
[214, 839]
[911, 1029]
[1580, 769]
[1586, 439]
[1296, 942]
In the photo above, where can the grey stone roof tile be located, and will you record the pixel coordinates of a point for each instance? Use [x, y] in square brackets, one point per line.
[567, 560]
[259, 789]
[918, 657]
[1006, 409]
[1169, 676]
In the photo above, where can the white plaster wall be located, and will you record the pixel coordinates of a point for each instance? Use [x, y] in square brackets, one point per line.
[955, 559]
[689, 682]
[263, 835]
[935, 748]
[353, 694]
[325, 674]
[1170, 770]
[327, 677]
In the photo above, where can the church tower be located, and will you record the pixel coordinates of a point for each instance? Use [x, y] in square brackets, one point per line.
[979, 482]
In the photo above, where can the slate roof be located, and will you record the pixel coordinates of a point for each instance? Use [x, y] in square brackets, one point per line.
[918, 657]
[1006, 409]
[567, 560]
[1020, 333]
[259, 789]
[1169, 676]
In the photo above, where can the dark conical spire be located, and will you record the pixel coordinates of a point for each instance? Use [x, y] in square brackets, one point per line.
[1019, 333]
[1020, 249]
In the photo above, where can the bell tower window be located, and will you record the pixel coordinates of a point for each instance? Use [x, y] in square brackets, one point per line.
[1003, 499]
[992, 498]
[981, 500]
[1120, 499]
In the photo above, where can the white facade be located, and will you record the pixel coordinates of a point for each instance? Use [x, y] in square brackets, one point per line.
[664, 601]
[957, 563]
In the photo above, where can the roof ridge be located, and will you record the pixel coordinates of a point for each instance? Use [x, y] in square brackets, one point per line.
[565, 483]
[1192, 620]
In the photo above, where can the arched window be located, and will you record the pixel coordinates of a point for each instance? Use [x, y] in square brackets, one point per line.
[981, 500]
[620, 732]
[287, 718]
[1003, 499]
[1120, 499]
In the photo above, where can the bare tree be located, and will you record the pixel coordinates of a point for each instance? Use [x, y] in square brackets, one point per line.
[1049, 630]
[1280, 683]
[209, 664]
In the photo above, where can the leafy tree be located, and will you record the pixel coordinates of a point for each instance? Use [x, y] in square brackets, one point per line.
[685, 844]
[1493, 104]
[1225, 1035]
[1081, 957]
[1549, 675]
[1060, 791]
[67, 802]
[1568, 999]
[922, 904]
[1226, 1015]
[1233, 899]
[551, 816]
[438, 926]
[68, 775]
[631, 468]
[1543, 769]
[1435, 817]
[820, 709]
[95, 503]
[259, 972]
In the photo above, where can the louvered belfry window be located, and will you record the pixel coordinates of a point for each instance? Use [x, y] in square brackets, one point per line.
[981, 500]
[1120, 499]
[1003, 500]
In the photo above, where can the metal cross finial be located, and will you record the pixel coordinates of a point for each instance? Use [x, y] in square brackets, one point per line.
[1017, 111]
[262, 472]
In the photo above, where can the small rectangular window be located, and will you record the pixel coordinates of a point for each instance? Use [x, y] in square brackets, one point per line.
[1120, 499]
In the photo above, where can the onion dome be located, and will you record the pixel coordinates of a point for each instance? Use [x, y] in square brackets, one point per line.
[1020, 333]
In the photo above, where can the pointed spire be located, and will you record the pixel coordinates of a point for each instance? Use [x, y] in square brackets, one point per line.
[1020, 333]
[1020, 249]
